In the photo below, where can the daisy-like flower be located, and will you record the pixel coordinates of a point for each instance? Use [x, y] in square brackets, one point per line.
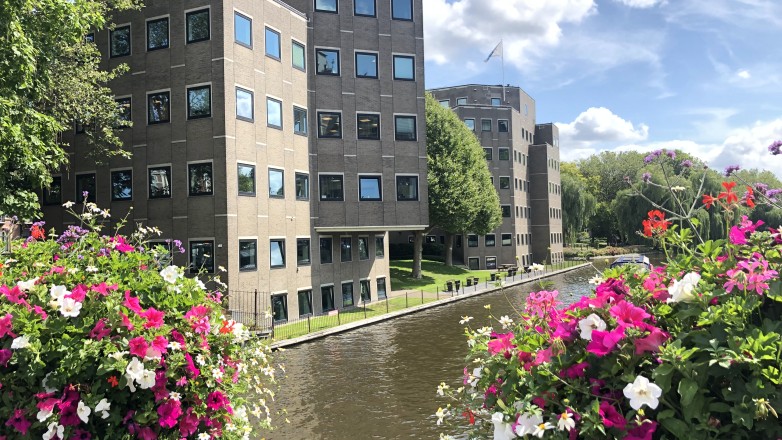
[590, 323]
[566, 422]
[174, 346]
[541, 428]
[596, 280]
[217, 374]
[465, 320]
[204, 436]
[506, 321]
[441, 413]
[537, 267]
[174, 395]
[642, 392]
[441, 388]
[91, 269]
[527, 423]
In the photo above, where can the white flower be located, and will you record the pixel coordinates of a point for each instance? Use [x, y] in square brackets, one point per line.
[527, 423]
[217, 374]
[476, 375]
[566, 422]
[683, 290]
[20, 342]
[83, 411]
[43, 415]
[170, 274]
[200, 284]
[103, 407]
[484, 331]
[91, 269]
[174, 395]
[118, 355]
[135, 369]
[55, 430]
[465, 320]
[67, 205]
[440, 415]
[200, 359]
[540, 429]
[58, 293]
[506, 321]
[221, 269]
[537, 267]
[174, 346]
[441, 388]
[26, 285]
[678, 188]
[591, 322]
[203, 436]
[70, 307]
[45, 383]
[147, 380]
[595, 280]
[502, 429]
[642, 392]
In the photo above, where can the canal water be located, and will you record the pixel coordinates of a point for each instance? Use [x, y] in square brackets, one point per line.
[380, 382]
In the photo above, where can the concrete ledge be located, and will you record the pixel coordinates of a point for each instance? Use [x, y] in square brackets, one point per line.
[388, 316]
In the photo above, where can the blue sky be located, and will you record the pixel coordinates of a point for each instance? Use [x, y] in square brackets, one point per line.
[704, 76]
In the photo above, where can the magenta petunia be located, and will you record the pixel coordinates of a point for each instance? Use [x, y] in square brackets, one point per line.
[189, 423]
[100, 330]
[147, 433]
[138, 346]
[191, 368]
[169, 413]
[7, 325]
[5, 356]
[611, 418]
[14, 294]
[154, 318]
[644, 431]
[78, 293]
[132, 303]
[604, 342]
[18, 421]
[216, 400]
[629, 315]
[576, 371]
[652, 342]
[501, 344]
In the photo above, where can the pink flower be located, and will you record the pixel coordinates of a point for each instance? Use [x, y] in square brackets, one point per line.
[146, 433]
[126, 322]
[576, 371]
[158, 347]
[14, 295]
[121, 245]
[604, 342]
[502, 344]
[216, 401]
[40, 312]
[189, 423]
[103, 288]
[80, 434]
[627, 314]
[100, 330]
[737, 236]
[6, 325]
[168, 413]
[78, 293]
[201, 325]
[191, 368]
[197, 312]
[5, 356]
[18, 421]
[132, 303]
[541, 303]
[652, 342]
[565, 330]
[154, 318]
[643, 431]
[543, 356]
[138, 346]
[611, 418]
[175, 335]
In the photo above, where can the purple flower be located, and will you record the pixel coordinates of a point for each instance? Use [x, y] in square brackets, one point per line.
[731, 169]
[772, 193]
[761, 187]
[652, 156]
[687, 163]
[671, 154]
[647, 177]
[775, 148]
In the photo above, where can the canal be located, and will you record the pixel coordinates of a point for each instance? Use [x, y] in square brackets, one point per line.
[380, 382]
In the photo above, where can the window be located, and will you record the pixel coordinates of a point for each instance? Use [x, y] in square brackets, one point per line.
[329, 125]
[90, 38]
[298, 55]
[474, 263]
[346, 252]
[347, 294]
[157, 34]
[472, 240]
[381, 288]
[407, 188]
[490, 240]
[159, 107]
[461, 101]
[504, 182]
[273, 44]
[53, 194]
[507, 239]
[326, 5]
[159, 182]
[276, 183]
[331, 187]
[491, 263]
[402, 9]
[85, 183]
[366, 65]
[370, 188]
[327, 298]
[277, 252]
[364, 8]
[488, 153]
[197, 26]
[470, 123]
[246, 179]
[202, 256]
[327, 62]
[366, 294]
[200, 179]
[368, 126]
[404, 67]
[496, 102]
[199, 102]
[505, 211]
[121, 185]
[124, 109]
[303, 252]
[120, 41]
[273, 113]
[243, 30]
[302, 186]
[280, 307]
[380, 248]
[405, 128]
[248, 255]
[300, 120]
[305, 302]
[445, 103]
[363, 248]
[504, 153]
[326, 250]
[485, 124]
[244, 104]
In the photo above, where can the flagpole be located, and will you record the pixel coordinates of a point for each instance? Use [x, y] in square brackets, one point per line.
[502, 58]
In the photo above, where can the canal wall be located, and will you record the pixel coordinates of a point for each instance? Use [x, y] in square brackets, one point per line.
[415, 309]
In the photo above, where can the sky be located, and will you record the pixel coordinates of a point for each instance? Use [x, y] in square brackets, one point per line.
[702, 76]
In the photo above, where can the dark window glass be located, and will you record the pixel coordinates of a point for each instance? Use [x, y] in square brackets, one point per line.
[407, 188]
[445, 103]
[159, 182]
[124, 109]
[504, 182]
[370, 188]
[505, 211]
[488, 153]
[326, 250]
[300, 120]
[202, 256]
[200, 179]
[305, 302]
[368, 126]
[485, 124]
[303, 252]
[85, 183]
[470, 123]
[366, 294]
[89, 38]
[327, 61]
[346, 249]
[276, 183]
[364, 8]
[363, 248]
[491, 263]
[366, 65]
[157, 34]
[496, 102]
[248, 255]
[326, 5]
[121, 185]
[327, 298]
[53, 194]
[461, 101]
[246, 176]
[504, 154]
[380, 249]
[120, 42]
[243, 30]
[329, 125]
[404, 128]
[404, 67]
[490, 240]
[197, 26]
[199, 102]
[277, 253]
[244, 104]
[331, 187]
[280, 308]
[502, 126]
[402, 9]
[472, 240]
[298, 56]
[302, 186]
[347, 294]
[159, 107]
[381, 288]
[273, 113]
[473, 263]
[273, 43]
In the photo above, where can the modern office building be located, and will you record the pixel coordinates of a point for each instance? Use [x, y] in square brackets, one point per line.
[523, 157]
[281, 142]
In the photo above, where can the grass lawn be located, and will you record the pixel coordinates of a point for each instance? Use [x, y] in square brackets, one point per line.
[434, 274]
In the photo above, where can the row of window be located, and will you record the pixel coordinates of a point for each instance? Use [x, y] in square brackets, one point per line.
[197, 28]
[520, 157]
[487, 124]
[490, 240]
[495, 102]
[556, 237]
[400, 9]
[555, 213]
[553, 163]
[328, 62]
[554, 188]
[304, 297]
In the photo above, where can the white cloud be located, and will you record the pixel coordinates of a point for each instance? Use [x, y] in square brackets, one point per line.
[641, 3]
[744, 74]
[599, 125]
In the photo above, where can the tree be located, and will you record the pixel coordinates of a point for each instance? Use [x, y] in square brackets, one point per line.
[461, 195]
[50, 78]
[578, 204]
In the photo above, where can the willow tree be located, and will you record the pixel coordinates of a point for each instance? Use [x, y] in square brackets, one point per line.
[578, 204]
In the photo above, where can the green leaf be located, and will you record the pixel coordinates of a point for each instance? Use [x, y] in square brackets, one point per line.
[676, 427]
[687, 390]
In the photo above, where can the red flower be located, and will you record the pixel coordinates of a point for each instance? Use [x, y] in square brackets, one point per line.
[728, 195]
[708, 200]
[37, 233]
[469, 415]
[749, 198]
[112, 380]
[656, 223]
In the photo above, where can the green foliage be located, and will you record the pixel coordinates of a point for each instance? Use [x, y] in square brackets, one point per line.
[578, 204]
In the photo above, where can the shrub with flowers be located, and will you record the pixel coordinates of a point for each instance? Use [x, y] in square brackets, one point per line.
[691, 349]
[101, 338]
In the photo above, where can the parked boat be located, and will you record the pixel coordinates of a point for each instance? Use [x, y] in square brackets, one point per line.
[639, 260]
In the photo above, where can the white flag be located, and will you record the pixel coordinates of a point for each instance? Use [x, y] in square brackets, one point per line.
[497, 52]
